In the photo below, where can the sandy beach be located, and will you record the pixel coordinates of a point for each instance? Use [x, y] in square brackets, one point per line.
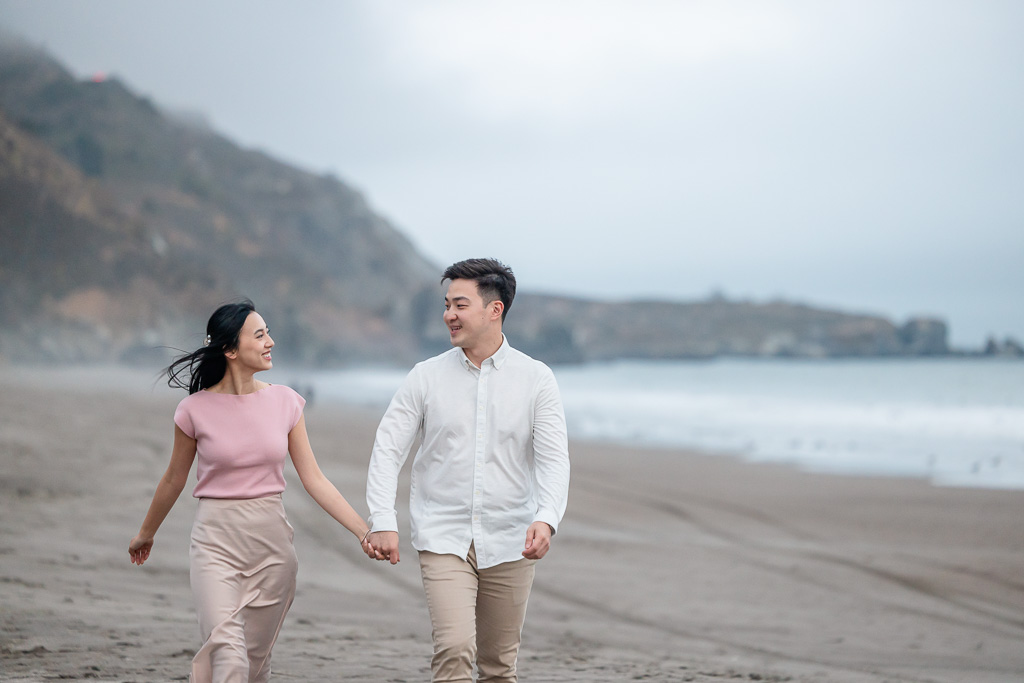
[669, 566]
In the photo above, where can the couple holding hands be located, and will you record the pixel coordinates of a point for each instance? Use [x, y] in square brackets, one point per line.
[490, 481]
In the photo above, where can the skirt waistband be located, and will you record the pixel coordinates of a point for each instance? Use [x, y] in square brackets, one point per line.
[241, 511]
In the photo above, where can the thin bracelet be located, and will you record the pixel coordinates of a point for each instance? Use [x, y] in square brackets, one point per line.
[365, 536]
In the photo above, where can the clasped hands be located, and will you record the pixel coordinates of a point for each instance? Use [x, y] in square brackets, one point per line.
[383, 545]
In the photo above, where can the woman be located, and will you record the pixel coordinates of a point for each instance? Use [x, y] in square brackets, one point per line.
[242, 562]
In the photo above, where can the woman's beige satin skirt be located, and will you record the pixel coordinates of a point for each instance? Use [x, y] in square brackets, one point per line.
[242, 568]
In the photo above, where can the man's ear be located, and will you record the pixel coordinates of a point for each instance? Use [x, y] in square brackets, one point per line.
[497, 308]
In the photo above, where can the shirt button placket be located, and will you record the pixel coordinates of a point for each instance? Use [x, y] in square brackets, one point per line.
[478, 460]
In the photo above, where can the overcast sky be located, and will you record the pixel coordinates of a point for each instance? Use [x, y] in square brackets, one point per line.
[866, 155]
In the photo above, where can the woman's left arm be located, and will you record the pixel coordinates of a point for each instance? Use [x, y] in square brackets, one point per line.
[319, 486]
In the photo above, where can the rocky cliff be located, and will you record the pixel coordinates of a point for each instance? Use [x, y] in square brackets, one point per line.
[121, 228]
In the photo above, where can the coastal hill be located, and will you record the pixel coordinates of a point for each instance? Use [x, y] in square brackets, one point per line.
[123, 226]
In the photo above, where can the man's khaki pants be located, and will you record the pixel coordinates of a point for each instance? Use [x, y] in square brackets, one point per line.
[477, 615]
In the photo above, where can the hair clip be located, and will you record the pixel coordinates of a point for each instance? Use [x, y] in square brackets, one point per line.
[207, 341]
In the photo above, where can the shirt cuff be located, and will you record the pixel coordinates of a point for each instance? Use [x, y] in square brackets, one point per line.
[384, 522]
[549, 518]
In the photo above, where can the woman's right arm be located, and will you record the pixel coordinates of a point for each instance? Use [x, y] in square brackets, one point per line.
[167, 492]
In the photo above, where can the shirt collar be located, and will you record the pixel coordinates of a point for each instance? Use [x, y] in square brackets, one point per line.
[501, 354]
[497, 358]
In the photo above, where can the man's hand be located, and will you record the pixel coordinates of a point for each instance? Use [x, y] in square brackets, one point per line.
[383, 545]
[538, 541]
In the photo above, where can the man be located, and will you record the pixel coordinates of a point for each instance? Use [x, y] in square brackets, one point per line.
[489, 482]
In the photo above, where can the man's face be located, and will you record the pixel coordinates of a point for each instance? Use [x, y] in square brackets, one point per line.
[467, 316]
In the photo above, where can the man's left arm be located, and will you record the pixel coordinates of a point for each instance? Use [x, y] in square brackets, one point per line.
[551, 467]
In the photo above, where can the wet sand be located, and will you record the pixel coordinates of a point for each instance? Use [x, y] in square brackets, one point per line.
[669, 566]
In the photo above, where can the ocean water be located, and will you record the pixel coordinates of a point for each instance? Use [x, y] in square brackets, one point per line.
[956, 422]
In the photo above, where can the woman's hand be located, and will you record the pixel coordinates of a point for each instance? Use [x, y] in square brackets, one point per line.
[138, 549]
[365, 544]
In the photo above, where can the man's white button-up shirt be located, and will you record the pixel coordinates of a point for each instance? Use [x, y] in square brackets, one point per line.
[493, 459]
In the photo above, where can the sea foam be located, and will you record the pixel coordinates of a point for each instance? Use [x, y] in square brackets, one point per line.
[957, 422]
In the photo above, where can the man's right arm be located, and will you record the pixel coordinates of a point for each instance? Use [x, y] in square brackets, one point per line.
[395, 436]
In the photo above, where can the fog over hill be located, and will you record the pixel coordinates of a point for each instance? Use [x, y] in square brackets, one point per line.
[122, 227]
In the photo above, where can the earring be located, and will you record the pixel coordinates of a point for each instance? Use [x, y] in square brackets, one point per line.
[207, 341]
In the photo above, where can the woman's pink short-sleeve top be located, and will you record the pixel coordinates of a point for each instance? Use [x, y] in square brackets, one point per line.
[241, 439]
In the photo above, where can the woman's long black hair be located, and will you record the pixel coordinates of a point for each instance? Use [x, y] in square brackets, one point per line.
[205, 366]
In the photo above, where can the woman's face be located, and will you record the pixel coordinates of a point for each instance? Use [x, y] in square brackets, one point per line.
[254, 344]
